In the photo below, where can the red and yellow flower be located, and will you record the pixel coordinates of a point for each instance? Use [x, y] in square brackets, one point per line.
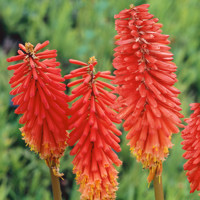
[41, 100]
[94, 136]
[191, 145]
[145, 78]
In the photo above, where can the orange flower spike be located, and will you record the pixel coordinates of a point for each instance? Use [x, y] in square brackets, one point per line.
[145, 77]
[94, 134]
[191, 145]
[42, 102]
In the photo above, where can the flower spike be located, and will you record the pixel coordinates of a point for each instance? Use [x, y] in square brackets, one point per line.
[42, 102]
[191, 145]
[94, 134]
[145, 78]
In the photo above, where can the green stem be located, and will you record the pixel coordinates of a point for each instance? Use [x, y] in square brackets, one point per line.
[158, 188]
[55, 186]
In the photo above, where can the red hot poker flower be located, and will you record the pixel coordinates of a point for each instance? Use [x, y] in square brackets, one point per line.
[93, 132]
[145, 78]
[42, 102]
[191, 145]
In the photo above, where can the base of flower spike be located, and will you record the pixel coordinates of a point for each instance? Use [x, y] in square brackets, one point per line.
[51, 157]
[96, 187]
[54, 164]
[154, 171]
[151, 161]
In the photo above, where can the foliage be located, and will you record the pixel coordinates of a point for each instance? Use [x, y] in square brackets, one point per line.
[79, 29]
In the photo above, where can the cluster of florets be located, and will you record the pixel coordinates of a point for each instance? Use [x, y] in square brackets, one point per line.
[93, 132]
[145, 77]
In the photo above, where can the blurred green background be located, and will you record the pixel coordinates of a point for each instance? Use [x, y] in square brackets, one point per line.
[79, 29]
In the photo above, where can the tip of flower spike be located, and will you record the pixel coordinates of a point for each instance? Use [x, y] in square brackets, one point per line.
[29, 48]
[92, 60]
[131, 6]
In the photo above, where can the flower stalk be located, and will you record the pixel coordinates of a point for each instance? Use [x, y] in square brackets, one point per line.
[57, 195]
[158, 188]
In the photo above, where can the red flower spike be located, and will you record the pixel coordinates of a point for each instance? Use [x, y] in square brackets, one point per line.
[94, 133]
[145, 78]
[42, 101]
[191, 145]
